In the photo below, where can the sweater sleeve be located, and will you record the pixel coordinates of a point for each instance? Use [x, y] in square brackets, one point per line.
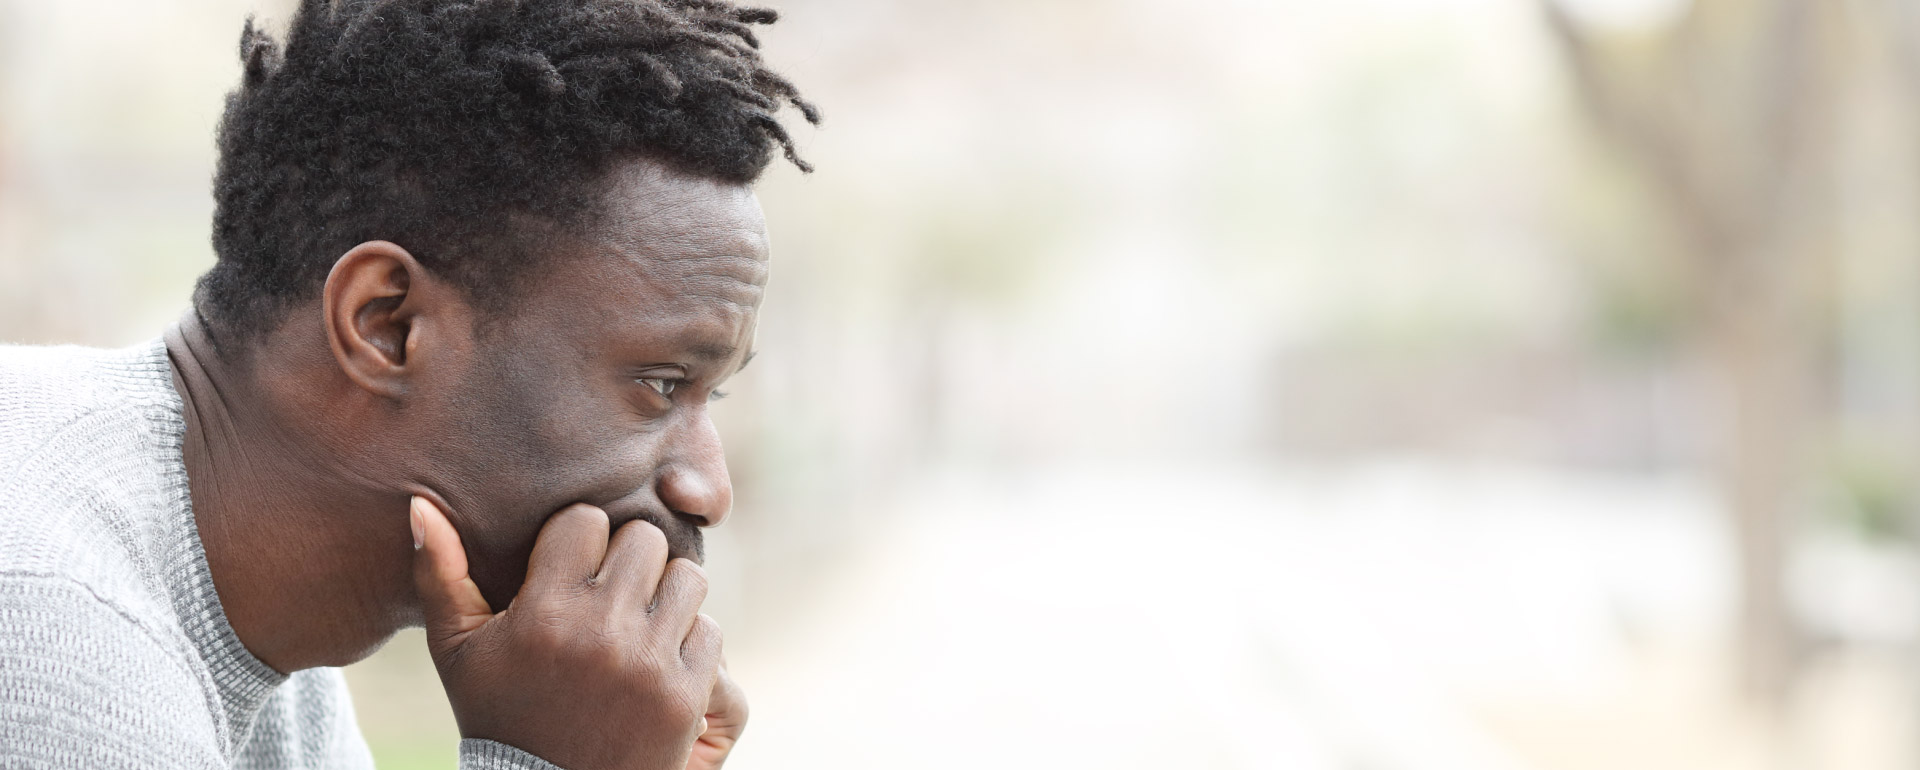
[482, 754]
[83, 685]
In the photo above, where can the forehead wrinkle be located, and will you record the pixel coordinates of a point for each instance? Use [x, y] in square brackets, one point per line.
[695, 247]
[699, 294]
[745, 242]
[728, 278]
[741, 251]
[740, 295]
[731, 266]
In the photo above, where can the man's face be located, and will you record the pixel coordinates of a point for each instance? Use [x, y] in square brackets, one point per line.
[595, 386]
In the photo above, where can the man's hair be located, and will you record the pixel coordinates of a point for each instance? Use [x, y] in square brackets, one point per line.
[463, 130]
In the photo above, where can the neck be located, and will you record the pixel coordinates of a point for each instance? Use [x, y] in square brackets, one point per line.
[311, 560]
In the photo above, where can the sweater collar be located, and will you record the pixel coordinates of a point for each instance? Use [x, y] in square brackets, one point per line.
[242, 682]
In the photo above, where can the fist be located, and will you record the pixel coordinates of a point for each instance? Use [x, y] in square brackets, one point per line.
[602, 661]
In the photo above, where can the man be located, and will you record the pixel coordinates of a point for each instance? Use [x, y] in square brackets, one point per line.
[481, 266]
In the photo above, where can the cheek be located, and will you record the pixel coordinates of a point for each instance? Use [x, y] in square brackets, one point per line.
[514, 453]
[541, 442]
[534, 439]
[548, 471]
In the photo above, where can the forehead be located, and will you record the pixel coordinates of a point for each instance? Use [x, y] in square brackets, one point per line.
[672, 253]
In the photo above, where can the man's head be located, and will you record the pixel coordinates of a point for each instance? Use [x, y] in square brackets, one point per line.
[523, 233]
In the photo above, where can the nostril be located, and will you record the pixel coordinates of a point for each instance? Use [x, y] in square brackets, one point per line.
[700, 494]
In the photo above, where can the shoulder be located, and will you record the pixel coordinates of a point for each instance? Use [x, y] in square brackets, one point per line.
[89, 463]
[48, 391]
[86, 683]
[54, 374]
[45, 390]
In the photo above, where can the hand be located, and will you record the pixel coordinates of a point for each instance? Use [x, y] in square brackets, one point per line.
[726, 719]
[600, 663]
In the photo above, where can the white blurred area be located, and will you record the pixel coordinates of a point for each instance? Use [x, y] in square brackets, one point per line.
[1252, 384]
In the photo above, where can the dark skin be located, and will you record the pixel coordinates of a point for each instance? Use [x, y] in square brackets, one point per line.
[529, 486]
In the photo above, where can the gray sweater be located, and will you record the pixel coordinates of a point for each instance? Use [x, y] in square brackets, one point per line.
[114, 651]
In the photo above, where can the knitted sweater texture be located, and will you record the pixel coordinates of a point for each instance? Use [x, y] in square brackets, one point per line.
[115, 653]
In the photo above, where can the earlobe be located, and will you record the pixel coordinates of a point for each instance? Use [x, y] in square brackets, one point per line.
[371, 313]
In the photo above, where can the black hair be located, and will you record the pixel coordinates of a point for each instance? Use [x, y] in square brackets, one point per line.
[459, 128]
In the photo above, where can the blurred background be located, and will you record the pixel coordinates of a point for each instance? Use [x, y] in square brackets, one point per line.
[1480, 384]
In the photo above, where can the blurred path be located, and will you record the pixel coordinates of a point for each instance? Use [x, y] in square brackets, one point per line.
[1141, 621]
[1392, 617]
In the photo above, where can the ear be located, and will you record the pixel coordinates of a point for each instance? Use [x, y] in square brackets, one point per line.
[373, 303]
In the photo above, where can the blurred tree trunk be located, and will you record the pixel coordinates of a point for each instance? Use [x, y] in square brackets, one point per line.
[1729, 115]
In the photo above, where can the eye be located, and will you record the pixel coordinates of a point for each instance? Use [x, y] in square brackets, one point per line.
[660, 385]
[716, 395]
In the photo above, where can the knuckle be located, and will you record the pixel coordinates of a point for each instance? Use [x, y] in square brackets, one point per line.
[548, 636]
[738, 709]
[580, 514]
[676, 712]
[708, 634]
[556, 593]
[684, 705]
[707, 626]
[689, 575]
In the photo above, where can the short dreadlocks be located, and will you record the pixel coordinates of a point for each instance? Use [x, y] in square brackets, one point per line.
[459, 128]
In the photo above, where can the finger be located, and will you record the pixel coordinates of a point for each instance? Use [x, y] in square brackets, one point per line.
[676, 605]
[726, 719]
[727, 706]
[700, 648]
[636, 559]
[568, 551]
[700, 652]
[449, 600]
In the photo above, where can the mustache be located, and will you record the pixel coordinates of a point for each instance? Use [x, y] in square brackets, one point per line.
[685, 540]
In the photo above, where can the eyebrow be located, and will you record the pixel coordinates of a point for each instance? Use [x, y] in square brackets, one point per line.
[712, 352]
[722, 353]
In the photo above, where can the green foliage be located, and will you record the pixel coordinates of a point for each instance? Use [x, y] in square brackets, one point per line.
[414, 756]
[1871, 495]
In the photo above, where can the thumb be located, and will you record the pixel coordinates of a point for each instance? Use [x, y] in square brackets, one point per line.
[450, 601]
[726, 707]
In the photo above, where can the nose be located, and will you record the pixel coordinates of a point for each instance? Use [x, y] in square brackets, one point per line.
[694, 481]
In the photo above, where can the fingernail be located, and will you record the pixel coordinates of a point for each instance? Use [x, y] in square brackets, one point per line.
[413, 518]
[703, 725]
